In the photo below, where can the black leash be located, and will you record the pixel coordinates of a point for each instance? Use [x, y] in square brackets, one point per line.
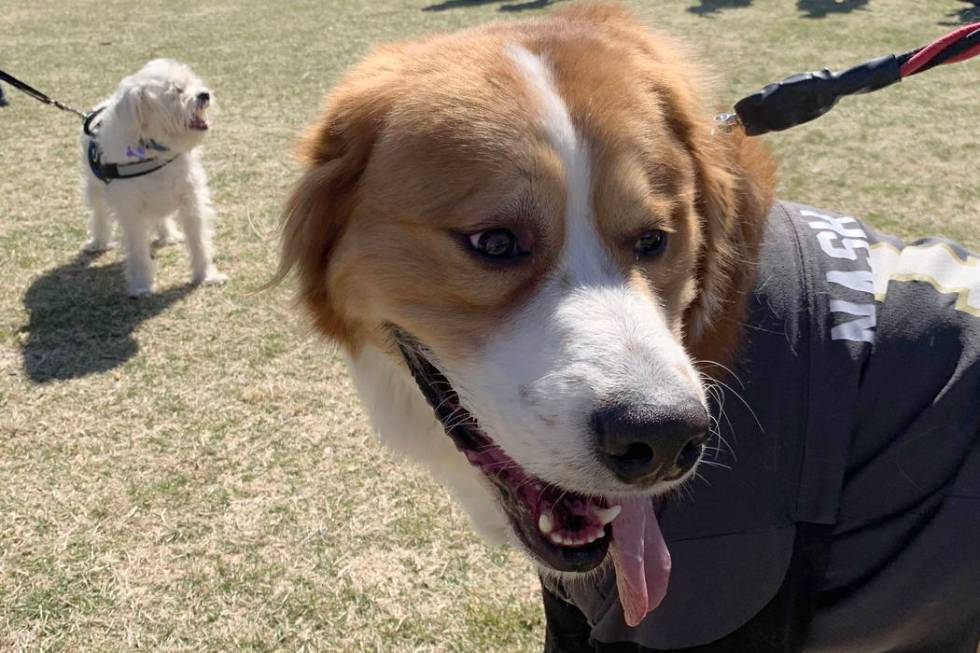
[806, 96]
[104, 171]
[38, 95]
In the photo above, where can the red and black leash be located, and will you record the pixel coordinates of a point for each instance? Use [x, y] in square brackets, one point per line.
[803, 97]
[958, 45]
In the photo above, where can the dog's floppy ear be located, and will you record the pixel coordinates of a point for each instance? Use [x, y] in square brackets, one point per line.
[735, 181]
[334, 151]
[130, 108]
[735, 178]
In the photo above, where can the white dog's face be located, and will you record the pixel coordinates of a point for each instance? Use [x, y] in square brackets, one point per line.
[165, 101]
[539, 247]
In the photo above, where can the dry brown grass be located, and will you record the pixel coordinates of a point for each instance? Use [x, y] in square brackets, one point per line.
[190, 472]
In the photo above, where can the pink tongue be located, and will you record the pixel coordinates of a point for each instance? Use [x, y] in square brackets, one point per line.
[640, 556]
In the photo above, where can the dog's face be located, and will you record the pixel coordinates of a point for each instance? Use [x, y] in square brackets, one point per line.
[164, 101]
[533, 228]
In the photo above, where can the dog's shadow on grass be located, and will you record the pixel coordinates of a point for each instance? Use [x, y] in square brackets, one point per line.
[711, 7]
[964, 16]
[81, 321]
[823, 8]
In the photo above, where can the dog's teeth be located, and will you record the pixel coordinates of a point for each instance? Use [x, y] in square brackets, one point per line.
[556, 538]
[606, 515]
[545, 522]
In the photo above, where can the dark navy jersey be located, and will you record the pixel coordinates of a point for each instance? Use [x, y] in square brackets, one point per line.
[856, 408]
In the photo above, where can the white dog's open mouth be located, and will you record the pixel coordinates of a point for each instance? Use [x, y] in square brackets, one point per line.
[564, 530]
[199, 120]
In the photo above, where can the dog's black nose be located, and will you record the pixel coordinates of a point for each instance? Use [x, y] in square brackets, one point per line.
[203, 96]
[647, 443]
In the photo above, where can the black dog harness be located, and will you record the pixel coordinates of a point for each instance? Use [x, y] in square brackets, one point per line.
[104, 171]
[109, 171]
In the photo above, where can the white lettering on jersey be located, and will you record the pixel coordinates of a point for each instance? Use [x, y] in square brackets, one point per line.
[852, 240]
[834, 224]
[859, 280]
[846, 248]
[860, 330]
[933, 263]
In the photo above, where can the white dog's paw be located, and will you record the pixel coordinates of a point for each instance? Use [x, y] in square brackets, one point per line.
[95, 246]
[211, 278]
[169, 239]
[139, 290]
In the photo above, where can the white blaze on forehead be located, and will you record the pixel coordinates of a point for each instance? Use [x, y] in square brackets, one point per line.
[583, 260]
[583, 337]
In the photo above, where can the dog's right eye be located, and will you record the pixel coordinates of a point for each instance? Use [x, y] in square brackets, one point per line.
[499, 244]
[650, 244]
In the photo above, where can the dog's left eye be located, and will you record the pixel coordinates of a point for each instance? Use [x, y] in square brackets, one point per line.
[179, 89]
[496, 243]
[650, 244]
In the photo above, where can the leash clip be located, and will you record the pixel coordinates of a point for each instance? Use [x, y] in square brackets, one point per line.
[726, 122]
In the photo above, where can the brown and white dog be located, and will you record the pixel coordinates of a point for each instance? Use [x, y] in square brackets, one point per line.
[534, 229]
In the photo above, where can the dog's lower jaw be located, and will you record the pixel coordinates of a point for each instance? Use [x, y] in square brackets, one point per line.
[406, 424]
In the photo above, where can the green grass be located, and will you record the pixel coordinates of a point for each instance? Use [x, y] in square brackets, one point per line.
[191, 471]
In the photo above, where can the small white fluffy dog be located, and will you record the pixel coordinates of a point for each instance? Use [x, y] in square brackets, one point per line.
[141, 165]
